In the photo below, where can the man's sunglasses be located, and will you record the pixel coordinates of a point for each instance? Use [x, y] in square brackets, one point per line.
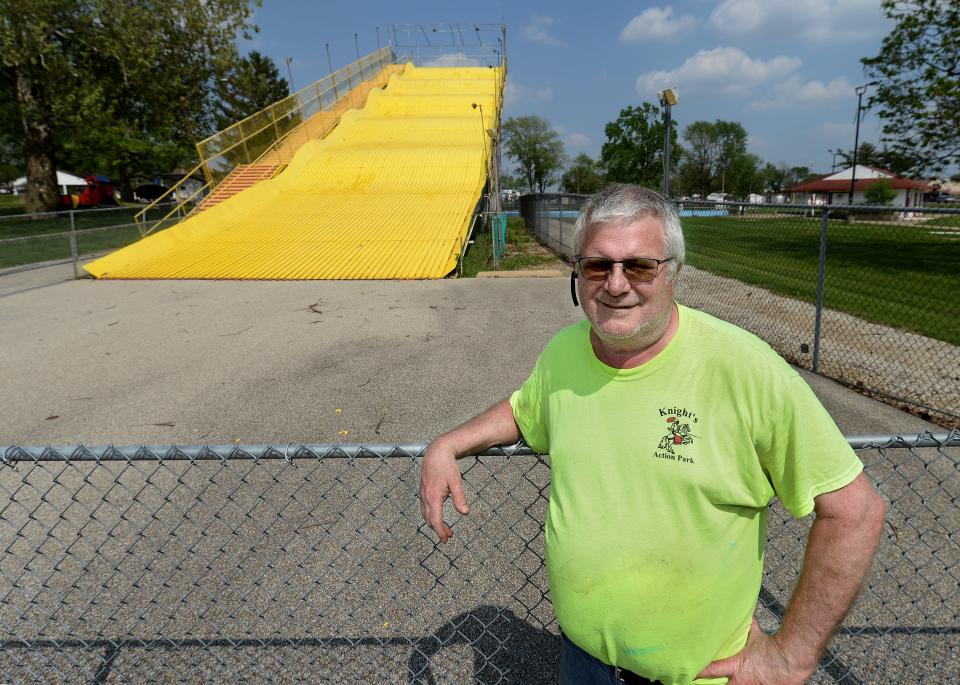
[635, 269]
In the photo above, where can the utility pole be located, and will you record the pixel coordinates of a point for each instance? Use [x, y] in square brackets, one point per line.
[856, 136]
[288, 60]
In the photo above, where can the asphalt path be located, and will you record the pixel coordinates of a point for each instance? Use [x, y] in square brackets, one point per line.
[318, 569]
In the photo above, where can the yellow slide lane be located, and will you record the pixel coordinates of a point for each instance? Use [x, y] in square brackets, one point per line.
[389, 193]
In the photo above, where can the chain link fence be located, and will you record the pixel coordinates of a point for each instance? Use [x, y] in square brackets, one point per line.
[40, 240]
[869, 297]
[311, 563]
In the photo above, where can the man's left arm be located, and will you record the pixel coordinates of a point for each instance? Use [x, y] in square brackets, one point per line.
[842, 543]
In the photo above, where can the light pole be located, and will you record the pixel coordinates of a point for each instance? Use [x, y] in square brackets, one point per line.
[495, 206]
[835, 153]
[668, 98]
[856, 136]
[288, 60]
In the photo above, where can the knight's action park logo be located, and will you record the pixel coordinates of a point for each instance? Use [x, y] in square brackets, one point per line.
[678, 433]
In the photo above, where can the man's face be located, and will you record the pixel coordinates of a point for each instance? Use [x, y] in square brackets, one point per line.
[617, 309]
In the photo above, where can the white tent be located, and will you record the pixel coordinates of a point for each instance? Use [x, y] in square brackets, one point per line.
[64, 180]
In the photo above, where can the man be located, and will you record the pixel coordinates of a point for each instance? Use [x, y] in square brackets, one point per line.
[669, 432]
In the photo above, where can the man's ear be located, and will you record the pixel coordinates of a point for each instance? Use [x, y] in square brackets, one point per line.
[676, 274]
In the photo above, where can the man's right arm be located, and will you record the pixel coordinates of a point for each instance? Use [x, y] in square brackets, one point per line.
[439, 474]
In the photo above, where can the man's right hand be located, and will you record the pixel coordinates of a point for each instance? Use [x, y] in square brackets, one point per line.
[439, 478]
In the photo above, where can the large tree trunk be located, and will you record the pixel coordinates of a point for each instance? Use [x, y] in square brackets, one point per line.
[42, 194]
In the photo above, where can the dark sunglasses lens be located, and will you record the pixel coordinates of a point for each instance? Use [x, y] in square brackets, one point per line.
[640, 269]
[595, 268]
[636, 270]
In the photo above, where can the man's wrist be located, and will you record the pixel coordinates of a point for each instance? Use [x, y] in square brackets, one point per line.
[799, 658]
[444, 443]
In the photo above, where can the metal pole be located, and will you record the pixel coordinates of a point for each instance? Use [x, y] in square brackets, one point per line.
[856, 137]
[336, 95]
[667, 121]
[290, 74]
[856, 144]
[73, 244]
[821, 278]
[378, 38]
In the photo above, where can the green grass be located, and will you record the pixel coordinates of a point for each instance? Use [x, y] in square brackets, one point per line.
[40, 242]
[11, 204]
[519, 256]
[899, 274]
[49, 248]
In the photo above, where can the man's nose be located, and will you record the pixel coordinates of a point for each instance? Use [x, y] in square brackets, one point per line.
[616, 282]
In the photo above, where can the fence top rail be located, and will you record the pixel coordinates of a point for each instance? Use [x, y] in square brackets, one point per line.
[775, 205]
[10, 454]
[65, 213]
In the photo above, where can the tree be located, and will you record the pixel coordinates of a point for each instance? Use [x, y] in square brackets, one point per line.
[112, 84]
[11, 148]
[774, 177]
[880, 192]
[536, 149]
[633, 152]
[713, 152]
[583, 176]
[508, 182]
[744, 176]
[252, 84]
[918, 93]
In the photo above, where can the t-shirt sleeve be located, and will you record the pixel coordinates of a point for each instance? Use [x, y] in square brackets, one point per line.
[804, 453]
[529, 404]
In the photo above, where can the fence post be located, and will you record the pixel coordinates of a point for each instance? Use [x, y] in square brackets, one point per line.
[562, 246]
[821, 274]
[73, 244]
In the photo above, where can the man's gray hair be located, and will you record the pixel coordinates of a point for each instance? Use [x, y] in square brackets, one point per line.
[625, 203]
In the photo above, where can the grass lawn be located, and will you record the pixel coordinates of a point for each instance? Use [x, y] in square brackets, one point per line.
[899, 274]
[523, 251]
[41, 245]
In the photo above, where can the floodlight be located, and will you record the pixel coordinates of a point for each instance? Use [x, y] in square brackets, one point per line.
[669, 97]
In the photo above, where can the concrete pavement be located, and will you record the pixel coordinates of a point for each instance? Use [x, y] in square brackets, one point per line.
[317, 361]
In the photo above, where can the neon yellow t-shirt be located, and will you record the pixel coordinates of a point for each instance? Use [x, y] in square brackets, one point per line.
[661, 477]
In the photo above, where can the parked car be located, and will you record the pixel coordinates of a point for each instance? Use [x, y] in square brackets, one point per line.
[148, 192]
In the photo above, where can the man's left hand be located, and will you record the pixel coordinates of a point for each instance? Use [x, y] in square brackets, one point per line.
[760, 662]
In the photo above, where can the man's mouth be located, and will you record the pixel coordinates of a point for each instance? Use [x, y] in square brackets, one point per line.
[618, 306]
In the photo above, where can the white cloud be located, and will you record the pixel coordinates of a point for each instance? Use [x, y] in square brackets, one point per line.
[720, 70]
[811, 20]
[516, 94]
[796, 91]
[539, 31]
[578, 140]
[453, 60]
[656, 23]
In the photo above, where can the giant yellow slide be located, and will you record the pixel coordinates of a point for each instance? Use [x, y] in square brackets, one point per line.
[389, 193]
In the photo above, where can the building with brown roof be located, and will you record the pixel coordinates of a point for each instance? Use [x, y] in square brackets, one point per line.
[834, 189]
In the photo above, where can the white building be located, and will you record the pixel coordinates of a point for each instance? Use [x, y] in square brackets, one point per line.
[834, 189]
[68, 183]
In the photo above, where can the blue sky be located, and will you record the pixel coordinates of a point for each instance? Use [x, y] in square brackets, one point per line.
[785, 69]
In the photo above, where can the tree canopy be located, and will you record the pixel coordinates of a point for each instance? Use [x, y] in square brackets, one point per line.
[633, 152]
[714, 158]
[582, 177]
[251, 84]
[535, 148]
[121, 87]
[918, 89]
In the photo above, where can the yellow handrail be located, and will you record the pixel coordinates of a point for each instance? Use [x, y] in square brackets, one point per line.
[141, 217]
[287, 110]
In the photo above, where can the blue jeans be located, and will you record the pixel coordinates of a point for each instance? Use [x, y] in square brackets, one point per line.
[579, 668]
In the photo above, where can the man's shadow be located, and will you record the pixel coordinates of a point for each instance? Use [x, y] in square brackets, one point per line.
[505, 649]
